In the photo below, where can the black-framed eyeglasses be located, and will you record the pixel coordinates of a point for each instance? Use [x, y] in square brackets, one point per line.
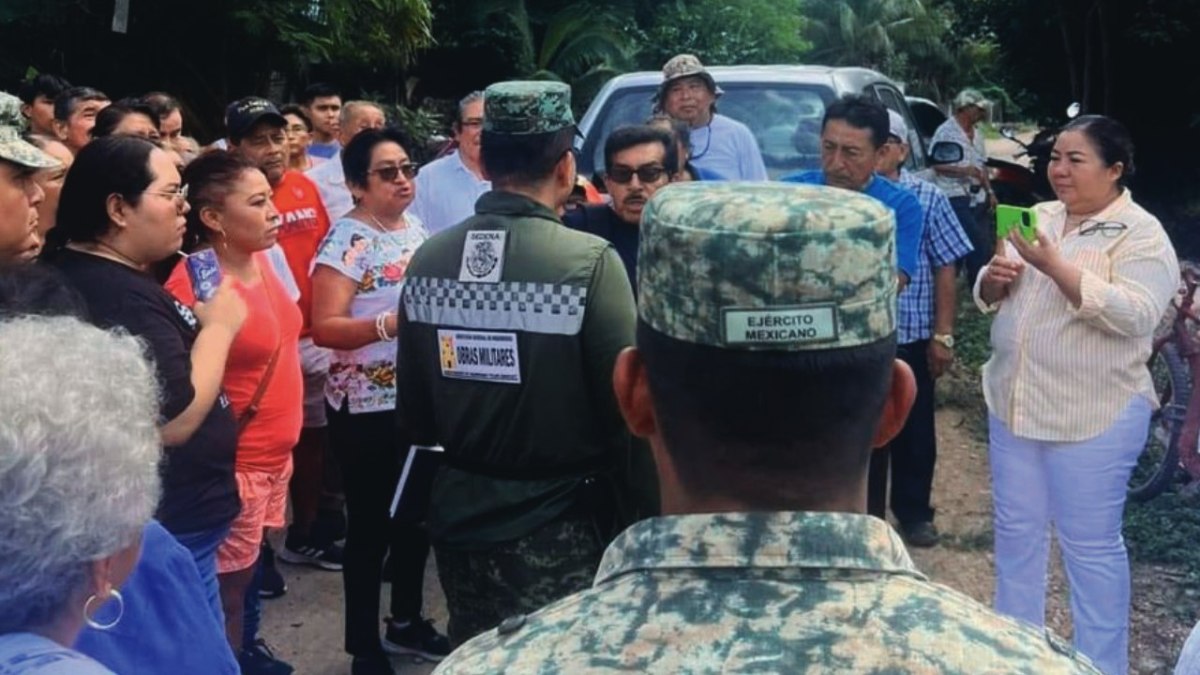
[651, 173]
[471, 122]
[1104, 228]
[388, 174]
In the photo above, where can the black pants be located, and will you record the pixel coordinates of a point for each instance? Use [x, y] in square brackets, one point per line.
[370, 448]
[912, 454]
[981, 230]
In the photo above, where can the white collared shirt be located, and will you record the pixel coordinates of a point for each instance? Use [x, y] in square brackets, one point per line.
[446, 193]
[1063, 373]
[331, 182]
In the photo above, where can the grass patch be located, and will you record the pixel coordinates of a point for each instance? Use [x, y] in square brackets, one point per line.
[962, 387]
[1166, 530]
[975, 540]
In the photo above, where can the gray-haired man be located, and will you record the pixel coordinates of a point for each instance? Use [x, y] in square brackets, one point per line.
[448, 187]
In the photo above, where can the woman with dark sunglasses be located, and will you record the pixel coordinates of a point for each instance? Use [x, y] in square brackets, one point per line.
[357, 279]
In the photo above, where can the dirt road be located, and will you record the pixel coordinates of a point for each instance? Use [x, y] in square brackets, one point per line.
[305, 626]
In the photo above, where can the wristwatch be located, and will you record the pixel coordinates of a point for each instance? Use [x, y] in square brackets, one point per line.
[945, 340]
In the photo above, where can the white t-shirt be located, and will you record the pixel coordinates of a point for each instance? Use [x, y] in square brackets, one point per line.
[446, 193]
[31, 654]
[331, 183]
[376, 261]
[727, 148]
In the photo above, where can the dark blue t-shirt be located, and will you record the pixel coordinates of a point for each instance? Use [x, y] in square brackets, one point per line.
[909, 221]
[603, 222]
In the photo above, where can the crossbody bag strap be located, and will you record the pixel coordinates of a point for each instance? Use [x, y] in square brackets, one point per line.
[252, 408]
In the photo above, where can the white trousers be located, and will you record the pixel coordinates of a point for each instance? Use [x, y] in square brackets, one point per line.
[1080, 489]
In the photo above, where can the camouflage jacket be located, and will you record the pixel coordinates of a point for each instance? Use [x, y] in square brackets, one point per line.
[763, 593]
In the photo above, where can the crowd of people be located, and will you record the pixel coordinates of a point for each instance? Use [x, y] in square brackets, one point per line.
[663, 429]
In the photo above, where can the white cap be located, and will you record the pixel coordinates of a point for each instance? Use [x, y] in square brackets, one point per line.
[896, 126]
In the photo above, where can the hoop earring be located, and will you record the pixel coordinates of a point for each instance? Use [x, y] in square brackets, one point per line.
[112, 594]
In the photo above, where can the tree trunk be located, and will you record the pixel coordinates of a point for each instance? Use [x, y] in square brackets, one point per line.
[1064, 26]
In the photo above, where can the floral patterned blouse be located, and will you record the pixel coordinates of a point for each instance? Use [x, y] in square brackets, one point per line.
[376, 261]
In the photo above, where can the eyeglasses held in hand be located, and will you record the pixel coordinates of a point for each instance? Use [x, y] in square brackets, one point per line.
[1105, 228]
[388, 174]
[646, 174]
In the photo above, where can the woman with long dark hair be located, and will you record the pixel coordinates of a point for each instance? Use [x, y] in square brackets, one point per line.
[121, 211]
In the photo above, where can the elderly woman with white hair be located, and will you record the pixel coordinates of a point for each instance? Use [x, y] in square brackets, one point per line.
[79, 454]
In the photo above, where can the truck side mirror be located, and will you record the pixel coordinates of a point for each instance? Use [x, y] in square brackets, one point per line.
[945, 152]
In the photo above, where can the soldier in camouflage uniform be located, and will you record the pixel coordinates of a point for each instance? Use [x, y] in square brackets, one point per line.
[764, 372]
[509, 327]
[19, 192]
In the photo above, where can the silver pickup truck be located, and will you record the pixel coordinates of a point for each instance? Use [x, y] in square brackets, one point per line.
[782, 105]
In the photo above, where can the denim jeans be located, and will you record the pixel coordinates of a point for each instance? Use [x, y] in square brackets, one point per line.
[203, 546]
[1079, 488]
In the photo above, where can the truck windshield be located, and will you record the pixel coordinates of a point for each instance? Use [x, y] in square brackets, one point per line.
[785, 119]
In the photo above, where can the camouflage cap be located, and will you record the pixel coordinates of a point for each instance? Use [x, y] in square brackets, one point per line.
[686, 65]
[14, 148]
[968, 97]
[527, 107]
[767, 266]
[10, 111]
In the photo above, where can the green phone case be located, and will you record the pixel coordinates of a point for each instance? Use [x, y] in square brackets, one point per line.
[1021, 219]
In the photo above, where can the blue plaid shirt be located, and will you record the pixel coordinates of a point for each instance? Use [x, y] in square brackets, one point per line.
[942, 243]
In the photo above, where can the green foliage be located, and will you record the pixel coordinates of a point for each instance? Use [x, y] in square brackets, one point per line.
[353, 32]
[972, 347]
[378, 32]
[918, 42]
[724, 33]
[578, 44]
[422, 124]
[1165, 530]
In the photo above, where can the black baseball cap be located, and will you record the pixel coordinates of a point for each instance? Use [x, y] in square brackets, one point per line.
[243, 114]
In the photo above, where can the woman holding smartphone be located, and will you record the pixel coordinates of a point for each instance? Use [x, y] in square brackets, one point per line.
[122, 210]
[1068, 392]
[233, 215]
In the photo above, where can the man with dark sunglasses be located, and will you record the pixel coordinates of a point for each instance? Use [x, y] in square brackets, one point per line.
[637, 163]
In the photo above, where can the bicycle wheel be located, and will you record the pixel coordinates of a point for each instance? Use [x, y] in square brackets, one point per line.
[1159, 461]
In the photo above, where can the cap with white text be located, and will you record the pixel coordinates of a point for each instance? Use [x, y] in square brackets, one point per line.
[767, 266]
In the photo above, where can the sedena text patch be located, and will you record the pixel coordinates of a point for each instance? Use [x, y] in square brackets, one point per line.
[779, 326]
[479, 356]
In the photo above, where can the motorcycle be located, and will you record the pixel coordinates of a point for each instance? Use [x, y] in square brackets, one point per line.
[1021, 185]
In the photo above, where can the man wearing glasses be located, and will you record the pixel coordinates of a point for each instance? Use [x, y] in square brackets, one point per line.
[635, 167]
[447, 188]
